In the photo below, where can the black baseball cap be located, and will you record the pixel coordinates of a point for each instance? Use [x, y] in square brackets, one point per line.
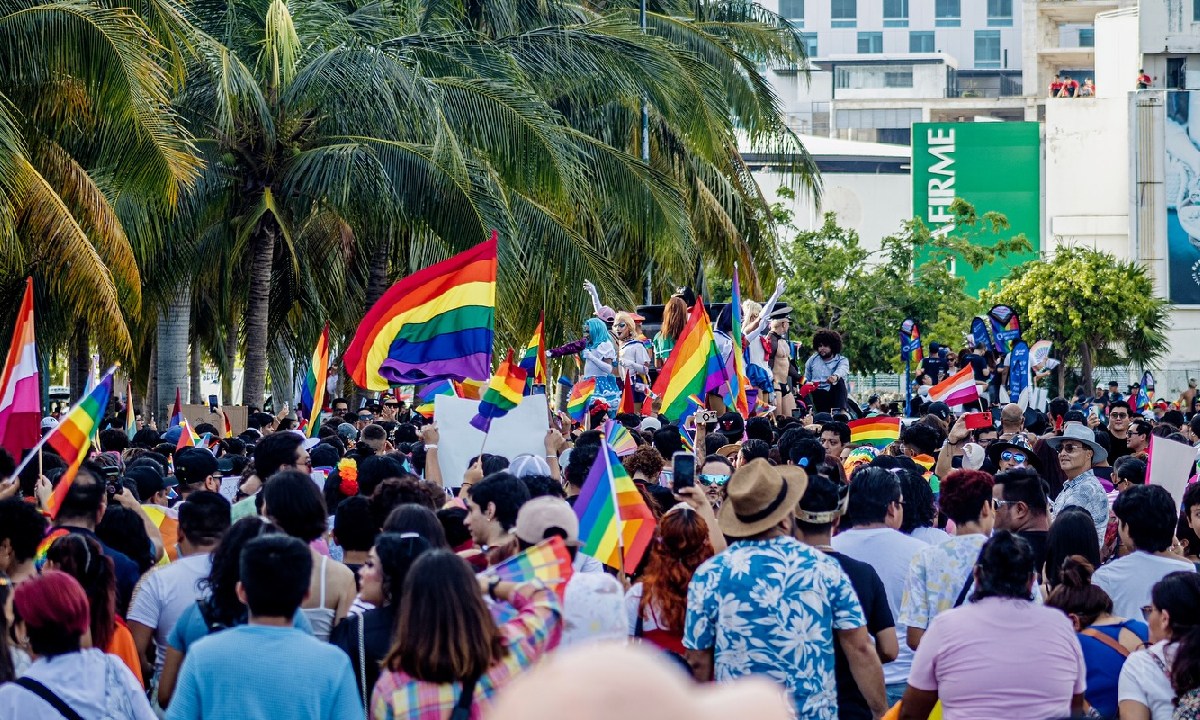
[148, 481]
[193, 465]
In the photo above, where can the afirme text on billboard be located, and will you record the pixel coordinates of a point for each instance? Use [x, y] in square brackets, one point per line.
[995, 166]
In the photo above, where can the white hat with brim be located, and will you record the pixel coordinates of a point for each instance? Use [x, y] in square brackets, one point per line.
[1083, 434]
[759, 496]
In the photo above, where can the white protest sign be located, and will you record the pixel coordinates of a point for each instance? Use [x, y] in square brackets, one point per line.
[521, 431]
[1169, 465]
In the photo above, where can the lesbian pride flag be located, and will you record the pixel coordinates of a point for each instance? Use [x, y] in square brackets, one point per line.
[20, 399]
[958, 389]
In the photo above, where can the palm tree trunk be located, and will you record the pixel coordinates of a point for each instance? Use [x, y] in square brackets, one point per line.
[377, 285]
[172, 346]
[79, 360]
[150, 398]
[197, 367]
[231, 346]
[262, 255]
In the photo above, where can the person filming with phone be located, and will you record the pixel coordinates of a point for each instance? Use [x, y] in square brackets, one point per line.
[827, 368]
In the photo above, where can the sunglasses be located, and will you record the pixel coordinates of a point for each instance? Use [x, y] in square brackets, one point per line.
[1146, 610]
[713, 480]
[1010, 456]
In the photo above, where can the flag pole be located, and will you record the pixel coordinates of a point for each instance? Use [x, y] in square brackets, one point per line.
[29, 458]
[908, 385]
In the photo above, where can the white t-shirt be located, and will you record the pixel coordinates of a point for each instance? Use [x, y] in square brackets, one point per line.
[163, 594]
[930, 535]
[1128, 580]
[890, 552]
[593, 609]
[1144, 680]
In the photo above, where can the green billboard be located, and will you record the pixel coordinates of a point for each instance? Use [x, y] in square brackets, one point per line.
[995, 166]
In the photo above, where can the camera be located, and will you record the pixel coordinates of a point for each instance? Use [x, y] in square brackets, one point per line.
[705, 416]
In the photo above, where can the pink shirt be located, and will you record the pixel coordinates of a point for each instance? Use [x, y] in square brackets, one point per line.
[1000, 657]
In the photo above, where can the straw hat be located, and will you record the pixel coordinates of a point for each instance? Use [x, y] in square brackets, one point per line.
[759, 495]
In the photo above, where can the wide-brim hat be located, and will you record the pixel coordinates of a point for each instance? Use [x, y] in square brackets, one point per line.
[994, 450]
[780, 312]
[1083, 434]
[758, 496]
[730, 450]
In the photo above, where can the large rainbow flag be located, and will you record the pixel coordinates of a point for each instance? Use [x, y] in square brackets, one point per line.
[312, 394]
[693, 368]
[738, 382]
[533, 358]
[615, 524]
[876, 431]
[73, 437]
[503, 393]
[20, 390]
[436, 323]
[958, 389]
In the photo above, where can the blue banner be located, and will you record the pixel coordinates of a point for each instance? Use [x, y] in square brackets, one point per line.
[1018, 369]
[979, 333]
[910, 342]
[1006, 327]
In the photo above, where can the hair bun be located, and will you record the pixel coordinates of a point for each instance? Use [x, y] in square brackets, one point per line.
[1077, 572]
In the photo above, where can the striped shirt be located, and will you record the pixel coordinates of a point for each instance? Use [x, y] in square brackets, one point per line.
[535, 630]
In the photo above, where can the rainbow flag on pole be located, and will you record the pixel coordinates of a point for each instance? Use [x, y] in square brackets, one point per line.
[877, 432]
[615, 525]
[312, 395]
[533, 358]
[436, 323]
[176, 412]
[738, 382]
[503, 393]
[187, 437]
[130, 417]
[958, 389]
[73, 437]
[581, 395]
[20, 389]
[694, 367]
[429, 392]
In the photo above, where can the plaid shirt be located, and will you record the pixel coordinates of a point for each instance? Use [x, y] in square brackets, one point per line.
[536, 629]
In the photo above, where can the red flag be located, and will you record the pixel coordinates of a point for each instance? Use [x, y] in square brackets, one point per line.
[626, 405]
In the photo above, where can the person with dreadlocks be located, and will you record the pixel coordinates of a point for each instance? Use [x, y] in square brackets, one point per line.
[827, 368]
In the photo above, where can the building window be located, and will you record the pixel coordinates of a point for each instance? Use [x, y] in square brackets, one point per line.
[948, 13]
[1087, 36]
[843, 13]
[857, 77]
[987, 49]
[870, 42]
[810, 44]
[792, 11]
[920, 41]
[999, 13]
[895, 13]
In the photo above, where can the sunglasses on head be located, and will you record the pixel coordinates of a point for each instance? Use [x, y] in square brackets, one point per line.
[713, 480]
[1011, 456]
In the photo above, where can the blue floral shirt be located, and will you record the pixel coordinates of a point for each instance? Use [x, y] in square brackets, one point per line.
[770, 607]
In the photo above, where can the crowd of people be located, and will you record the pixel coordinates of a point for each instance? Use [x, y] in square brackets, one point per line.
[1023, 569]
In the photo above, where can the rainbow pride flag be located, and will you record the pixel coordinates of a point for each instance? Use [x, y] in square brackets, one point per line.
[503, 393]
[619, 438]
[73, 437]
[469, 388]
[877, 431]
[39, 556]
[312, 394]
[228, 425]
[958, 389]
[20, 395]
[533, 358]
[689, 444]
[738, 382]
[581, 395]
[176, 412]
[130, 418]
[548, 561]
[429, 392]
[187, 437]
[615, 525]
[436, 323]
[693, 368]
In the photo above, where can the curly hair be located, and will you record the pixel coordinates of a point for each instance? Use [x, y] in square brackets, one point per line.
[681, 546]
[827, 337]
[964, 493]
[674, 317]
[645, 460]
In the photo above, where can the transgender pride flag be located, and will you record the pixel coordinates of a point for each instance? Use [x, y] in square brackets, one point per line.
[20, 396]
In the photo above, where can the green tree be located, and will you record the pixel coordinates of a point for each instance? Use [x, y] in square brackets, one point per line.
[1096, 309]
[834, 282]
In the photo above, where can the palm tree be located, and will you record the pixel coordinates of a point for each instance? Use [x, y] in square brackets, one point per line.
[87, 144]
